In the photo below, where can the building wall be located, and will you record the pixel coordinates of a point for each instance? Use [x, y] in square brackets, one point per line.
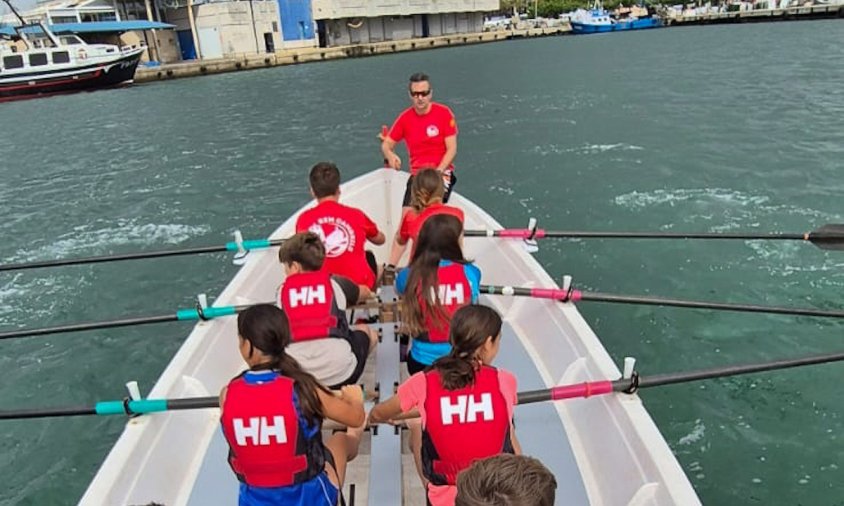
[227, 28]
[342, 32]
[340, 9]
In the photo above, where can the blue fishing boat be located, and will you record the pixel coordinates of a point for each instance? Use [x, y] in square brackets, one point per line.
[598, 20]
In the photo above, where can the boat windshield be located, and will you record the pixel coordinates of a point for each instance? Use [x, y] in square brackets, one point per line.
[70, 40]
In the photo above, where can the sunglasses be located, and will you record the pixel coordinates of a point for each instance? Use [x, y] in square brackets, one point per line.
[420, 94]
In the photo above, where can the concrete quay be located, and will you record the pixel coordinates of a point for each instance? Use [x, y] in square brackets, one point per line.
[760, 15]
[314, 54]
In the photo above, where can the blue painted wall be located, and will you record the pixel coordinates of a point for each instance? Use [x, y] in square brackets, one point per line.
[297, 21]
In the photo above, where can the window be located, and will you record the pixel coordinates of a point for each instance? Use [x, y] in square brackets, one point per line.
[61, 57]
[37, 59]
[13, 62]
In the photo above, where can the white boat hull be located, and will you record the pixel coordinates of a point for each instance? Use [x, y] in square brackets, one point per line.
[617, 455]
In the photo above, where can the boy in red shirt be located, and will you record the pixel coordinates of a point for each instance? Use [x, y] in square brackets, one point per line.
[430, 132]
[342, 229]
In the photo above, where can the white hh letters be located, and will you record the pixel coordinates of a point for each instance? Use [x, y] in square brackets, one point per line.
[307, 295]
[451, 294]
[259, 430]
[466, 408]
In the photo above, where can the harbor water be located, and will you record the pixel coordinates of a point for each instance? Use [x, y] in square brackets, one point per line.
[725, 128]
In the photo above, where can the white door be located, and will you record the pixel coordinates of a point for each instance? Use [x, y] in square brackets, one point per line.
[209, 43]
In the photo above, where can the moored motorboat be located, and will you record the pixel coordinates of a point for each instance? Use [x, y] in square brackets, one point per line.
[603, 450]
[599, 20]
[34, 61]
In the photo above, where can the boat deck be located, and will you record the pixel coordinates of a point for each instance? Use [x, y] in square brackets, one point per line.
[538, 429]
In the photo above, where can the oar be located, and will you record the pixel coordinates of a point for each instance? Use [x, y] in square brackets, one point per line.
[193, 314]
[240, 246]
[577, 295]
[828, 237]
[124, 407]
[180, 315]
[636, 382]
[575, 390]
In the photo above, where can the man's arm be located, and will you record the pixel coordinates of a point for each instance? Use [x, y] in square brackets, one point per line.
[388, 147]
[450, 152]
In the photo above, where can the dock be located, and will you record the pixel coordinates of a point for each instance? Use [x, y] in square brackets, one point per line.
[314, 54]
[759, 15]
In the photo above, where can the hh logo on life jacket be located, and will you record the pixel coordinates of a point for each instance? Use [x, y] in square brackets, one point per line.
[307, 295]
[466, 408]
[451, 294]
[259, 430]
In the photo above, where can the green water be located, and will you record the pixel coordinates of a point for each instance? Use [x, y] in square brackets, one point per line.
[686, 129]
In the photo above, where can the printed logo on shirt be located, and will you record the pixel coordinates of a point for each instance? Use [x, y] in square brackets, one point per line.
[336, 234]
[432, 131]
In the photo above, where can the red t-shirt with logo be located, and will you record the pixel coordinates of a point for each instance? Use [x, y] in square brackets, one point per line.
[412, 223]
[425, 135]
[344, 231]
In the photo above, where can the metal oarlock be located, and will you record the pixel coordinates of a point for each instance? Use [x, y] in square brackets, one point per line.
[201, 304]
[134, 395]
[529, 243]
[629, 364]
[240, 256]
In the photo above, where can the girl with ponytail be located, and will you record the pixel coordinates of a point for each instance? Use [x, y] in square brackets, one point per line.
[465, 404]
[272, 417]
[426, 200]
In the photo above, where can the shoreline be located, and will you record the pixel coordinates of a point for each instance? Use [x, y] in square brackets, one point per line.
[241, 62]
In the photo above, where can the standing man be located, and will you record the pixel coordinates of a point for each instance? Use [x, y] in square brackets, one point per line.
[430, 131]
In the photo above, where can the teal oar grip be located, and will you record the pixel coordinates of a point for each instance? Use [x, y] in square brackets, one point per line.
[139, 406]
[209, 312]
[249, 245]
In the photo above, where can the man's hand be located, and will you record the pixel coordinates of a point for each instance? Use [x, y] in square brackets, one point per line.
[393, 161]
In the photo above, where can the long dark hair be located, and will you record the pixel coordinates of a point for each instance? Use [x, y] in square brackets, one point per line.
[439, 239]
[266, 328]
[470, 327]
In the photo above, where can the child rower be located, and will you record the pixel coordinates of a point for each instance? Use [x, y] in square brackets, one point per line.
[426, 200]
[506, 479]
[465, 404]
[315, 302]
[272, 417]
[343, 229]
[438, 282]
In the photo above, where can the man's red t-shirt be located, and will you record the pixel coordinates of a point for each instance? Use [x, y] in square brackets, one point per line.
[412, 223]
[425, 135]
[344, 231]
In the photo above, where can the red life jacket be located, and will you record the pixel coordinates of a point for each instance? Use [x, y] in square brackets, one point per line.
[453, 292]
[463, 425]
[308, 299]
[268, 444]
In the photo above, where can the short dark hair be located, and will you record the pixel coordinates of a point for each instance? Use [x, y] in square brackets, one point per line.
[419, 77]
[324, 179]
[305, 248]
[506, 480]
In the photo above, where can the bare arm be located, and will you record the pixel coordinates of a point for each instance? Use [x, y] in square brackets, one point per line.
[385, 411]
[517, 448]
[450, 152]
[388, 147]
[379, 239]
[345, 408]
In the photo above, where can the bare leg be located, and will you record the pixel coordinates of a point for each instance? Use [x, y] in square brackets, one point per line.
[415, 426]
[372, 333]
[365, 293]
[344, 448]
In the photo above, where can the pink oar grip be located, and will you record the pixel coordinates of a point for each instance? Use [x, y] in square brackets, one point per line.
[521, 233]
[584, 390]
[556, 294]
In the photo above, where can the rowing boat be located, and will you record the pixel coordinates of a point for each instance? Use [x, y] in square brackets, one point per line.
[603, 451]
